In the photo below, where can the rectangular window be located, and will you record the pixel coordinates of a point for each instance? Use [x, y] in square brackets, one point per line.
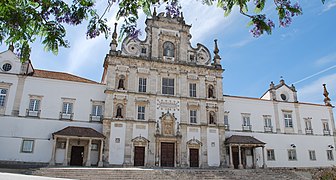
[270, 155]
[267, 121]
[3, 94]
[97, 110]
[308, 125]
[193, 116]
[94, 147]
[312, 155]
[141, 112]
[226, 120]
[325, 126]
[246, 120]
[192, 89]
[142, 84]
[292, 155]
[330, 155]
[27, 146]
[167, 86]
[288, 120]
[34, 105]
[67, 108]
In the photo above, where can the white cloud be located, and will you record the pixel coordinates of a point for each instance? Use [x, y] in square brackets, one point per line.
[243, 42]
[313, 92]
[326, 59]
[330, 5]
[205, 20]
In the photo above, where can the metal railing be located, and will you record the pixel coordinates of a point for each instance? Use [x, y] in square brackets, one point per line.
[268, 128]
[309, 131]
[30, 113]
[96, 118]
[326, 132]
[66, 116]
[247, 127]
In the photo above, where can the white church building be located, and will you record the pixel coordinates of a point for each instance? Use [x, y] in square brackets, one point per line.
[160, 104]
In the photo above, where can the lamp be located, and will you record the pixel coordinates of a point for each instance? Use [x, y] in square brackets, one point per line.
[293, 145]
[330, 146]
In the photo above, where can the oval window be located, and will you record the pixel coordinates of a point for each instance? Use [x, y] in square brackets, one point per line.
[7, 67]
[283, 97]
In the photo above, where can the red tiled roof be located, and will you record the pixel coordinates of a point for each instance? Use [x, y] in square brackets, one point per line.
[60, 76]
[79, 132]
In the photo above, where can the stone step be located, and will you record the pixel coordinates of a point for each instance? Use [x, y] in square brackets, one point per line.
[166, 174]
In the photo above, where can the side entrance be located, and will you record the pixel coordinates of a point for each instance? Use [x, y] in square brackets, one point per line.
[193, 158]
[139, 156]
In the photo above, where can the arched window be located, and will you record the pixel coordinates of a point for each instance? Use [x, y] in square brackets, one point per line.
[121, 82]
[119, 111]
[211, 91]
[168, 49]
[212, 118]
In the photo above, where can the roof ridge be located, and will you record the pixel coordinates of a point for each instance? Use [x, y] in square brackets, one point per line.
[64, 73]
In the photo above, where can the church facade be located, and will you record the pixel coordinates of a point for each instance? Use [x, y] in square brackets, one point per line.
[160, 104]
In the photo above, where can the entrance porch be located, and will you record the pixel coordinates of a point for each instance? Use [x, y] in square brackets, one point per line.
[77, 146]
[242, 152]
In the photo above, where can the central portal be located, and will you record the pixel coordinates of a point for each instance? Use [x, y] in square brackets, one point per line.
[167, 154]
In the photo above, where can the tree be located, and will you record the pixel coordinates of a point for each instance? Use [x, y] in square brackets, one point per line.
[23, 21]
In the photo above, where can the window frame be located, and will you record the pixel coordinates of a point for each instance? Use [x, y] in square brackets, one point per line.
[3, 97]
[312, 155]
[288, 120]
[267, 120]
[142, 84]
[292, 155]
[67, 111]
[36, 106]
[31, 148]
[193, 116]
[330, 155]
[192, 89]
[168, 89]
[270, 154]
[141, 115]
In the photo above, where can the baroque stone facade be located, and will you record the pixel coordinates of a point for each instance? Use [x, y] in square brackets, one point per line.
[166, 92]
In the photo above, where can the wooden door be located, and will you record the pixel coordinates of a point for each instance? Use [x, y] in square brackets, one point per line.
[77, 153]
[167, 154]
[139, 156]
[235, 157]
[193, 158]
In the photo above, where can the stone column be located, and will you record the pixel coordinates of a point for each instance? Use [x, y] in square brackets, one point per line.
[264, 160]
[18, 96]
[276, 117]
[298, 118]
[231, 159]
[255, 165]
[100, 162]
[53, 153]
[222, 148]
[240, 165]
[88, 159]
[204, 149]
[65, 161]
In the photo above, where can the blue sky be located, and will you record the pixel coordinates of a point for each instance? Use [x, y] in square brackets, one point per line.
[304, 53]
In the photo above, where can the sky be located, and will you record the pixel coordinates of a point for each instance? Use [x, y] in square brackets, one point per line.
[304, 53]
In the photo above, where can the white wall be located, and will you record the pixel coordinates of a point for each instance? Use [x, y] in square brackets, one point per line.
[117, 150]
[54, 90]
[14, 129]
[213, 147]
[282, 142]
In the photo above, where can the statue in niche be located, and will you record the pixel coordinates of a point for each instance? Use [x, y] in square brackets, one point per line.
[212, 118]
[121, 82]
[168, 49]
[211, 92]
[119, 112]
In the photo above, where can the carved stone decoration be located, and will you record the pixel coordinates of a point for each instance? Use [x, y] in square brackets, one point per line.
[168, 124]
[140, 141]
[203, 56]
[131, 47]
[194, 141]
